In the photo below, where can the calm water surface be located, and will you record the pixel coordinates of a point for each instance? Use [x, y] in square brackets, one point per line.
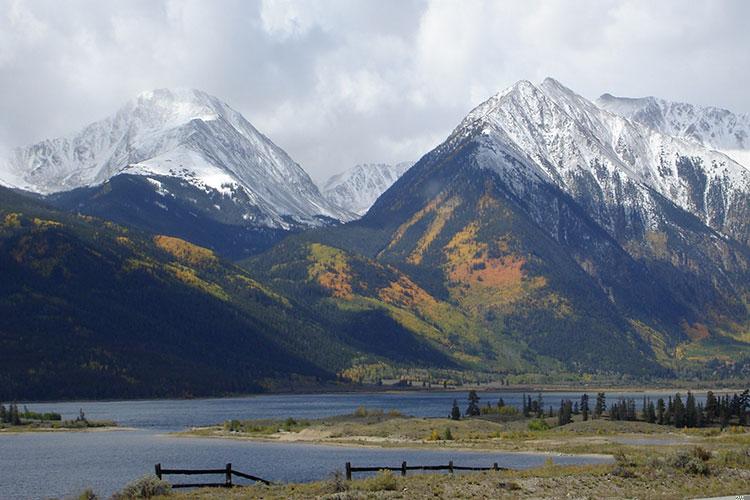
[36, 465]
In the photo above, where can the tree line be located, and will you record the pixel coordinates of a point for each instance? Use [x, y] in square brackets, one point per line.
[677, 411]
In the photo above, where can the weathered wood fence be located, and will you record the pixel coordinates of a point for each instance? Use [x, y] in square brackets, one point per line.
[227, 472]
[404, 467]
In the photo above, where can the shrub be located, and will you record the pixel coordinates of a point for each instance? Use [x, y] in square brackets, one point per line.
[337, 483]
[538, 425]
[360, 412]
[701, 453]
[448, 435]
[735, 458]
[87, 494]
[146, 487]
[384, 481]
[434, 436]
[688, 462]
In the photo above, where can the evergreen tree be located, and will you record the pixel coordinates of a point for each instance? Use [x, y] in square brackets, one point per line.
[601, 405]
[473, 409]
[585, 407]
[678, 410]
[455, 411]
[691, 412]
[651, 414]
[660, 412]
[526, 407]
[3, 415]
[14, 417]
[712, 407]
[539, 406]
[566, 410]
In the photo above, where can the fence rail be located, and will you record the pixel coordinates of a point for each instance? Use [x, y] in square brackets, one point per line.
[404, 468]
[227, 471]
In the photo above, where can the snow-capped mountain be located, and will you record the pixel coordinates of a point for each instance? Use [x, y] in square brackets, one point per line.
[615, 166]
[356, 189]
[181, 134]
[712, 127]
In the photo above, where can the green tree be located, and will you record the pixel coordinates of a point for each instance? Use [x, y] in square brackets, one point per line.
[3, 415]
[601, 405]
[455, 411]
[473, 409]
[691, 412]
[712, 407]
[660, 411]
[678, 409]
[585, 407]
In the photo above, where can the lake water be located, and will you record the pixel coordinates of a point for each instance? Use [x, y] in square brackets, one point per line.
[43, 465]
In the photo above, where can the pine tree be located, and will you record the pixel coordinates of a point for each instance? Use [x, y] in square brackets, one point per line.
[3, 415]
[473, 409]
[526, 407]
[679, 411]
[585, 407]
[14, 418]
[691, 412]
[455, 411]
[651, 413]
[601, 405]
[660, 412]
[712, 407]
[539, 406]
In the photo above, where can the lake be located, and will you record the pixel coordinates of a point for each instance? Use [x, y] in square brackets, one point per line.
[42, 465]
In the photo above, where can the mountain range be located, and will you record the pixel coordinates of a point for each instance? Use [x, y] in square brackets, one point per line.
[181, 161]
[548, 238]
[357, 189]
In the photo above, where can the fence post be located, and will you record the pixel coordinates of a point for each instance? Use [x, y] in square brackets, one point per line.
[228, 480]
[348, 471]
[157, 469]
[403, 468]
[495, 467]
[450, 466]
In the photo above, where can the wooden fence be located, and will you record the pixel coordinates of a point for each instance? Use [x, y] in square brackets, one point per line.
[227, 472]
[404, 467]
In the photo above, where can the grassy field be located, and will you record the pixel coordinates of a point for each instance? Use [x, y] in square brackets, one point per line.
[678, 474]
[650, 461]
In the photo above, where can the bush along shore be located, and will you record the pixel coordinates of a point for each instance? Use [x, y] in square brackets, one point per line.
[14, 420]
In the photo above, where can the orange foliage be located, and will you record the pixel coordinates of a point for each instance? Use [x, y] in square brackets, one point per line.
[696, 331]
[331, 270]
[469, 262]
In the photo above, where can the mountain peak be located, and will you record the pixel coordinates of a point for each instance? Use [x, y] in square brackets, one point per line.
[180, 133]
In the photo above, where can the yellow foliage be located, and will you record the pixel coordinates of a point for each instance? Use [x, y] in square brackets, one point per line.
[443, 214]
[185, 252]
[329, 267]
[44, 223]
[188, 276]
[432, 205]
[124, 241]
[478, 281]
[12, 219]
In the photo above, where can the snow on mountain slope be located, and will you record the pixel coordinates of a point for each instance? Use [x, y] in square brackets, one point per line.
[613, 166]
[357, 189]
[712, 127]
[181, 133]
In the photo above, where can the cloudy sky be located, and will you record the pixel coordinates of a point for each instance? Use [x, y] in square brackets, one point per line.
[341, 82]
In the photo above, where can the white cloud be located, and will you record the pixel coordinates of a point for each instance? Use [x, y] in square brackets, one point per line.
[339, 82]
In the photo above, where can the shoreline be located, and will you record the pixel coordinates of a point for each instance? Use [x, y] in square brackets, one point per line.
[485, 388]
[109, 428]
[398, 445]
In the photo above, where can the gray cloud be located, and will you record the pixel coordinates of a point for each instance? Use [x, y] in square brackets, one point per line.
[342, 81]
